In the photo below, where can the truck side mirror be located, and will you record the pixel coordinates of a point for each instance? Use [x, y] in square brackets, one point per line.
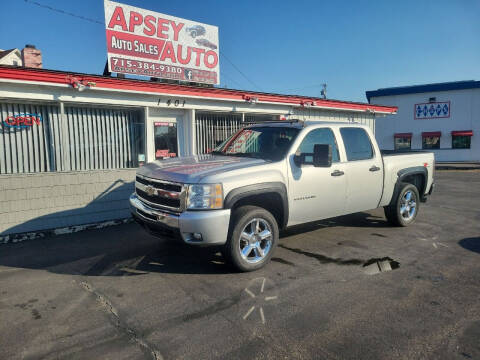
[298, 159]
[322, 155]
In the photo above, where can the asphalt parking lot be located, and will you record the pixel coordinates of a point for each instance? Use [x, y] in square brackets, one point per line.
[118, 293]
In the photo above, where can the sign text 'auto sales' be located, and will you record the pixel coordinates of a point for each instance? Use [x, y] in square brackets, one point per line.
[143, 42]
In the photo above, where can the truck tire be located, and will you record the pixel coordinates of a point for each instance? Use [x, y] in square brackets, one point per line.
[252, 238]
[404, 208]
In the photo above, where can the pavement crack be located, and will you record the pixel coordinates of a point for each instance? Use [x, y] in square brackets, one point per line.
[119, 324]
[324, 259]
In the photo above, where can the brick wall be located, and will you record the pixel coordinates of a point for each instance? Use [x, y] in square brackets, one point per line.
[33, 202]
[32, 57]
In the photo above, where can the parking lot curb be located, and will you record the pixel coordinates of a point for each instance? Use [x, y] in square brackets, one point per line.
[457, 166]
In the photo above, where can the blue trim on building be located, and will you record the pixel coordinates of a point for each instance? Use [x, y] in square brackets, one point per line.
[415, 89]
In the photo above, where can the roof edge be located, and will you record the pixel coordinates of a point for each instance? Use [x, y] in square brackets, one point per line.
[417, 89]
[133, 85]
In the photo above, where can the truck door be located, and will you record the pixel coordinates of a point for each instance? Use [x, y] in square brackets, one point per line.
[364, 170]
[316, 193]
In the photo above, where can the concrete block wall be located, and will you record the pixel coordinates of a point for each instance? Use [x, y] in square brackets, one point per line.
[41, 201]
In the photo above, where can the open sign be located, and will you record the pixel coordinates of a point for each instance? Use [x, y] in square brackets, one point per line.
[22, 120]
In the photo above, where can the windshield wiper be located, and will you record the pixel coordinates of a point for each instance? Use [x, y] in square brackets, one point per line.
[247, 155]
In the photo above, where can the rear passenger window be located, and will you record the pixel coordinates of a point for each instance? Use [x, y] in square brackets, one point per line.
[320, 136]
[357, 144]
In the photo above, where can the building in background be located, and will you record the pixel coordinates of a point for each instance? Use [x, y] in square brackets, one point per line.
[70, 143]
[11, 57]
[29, 56]
[443, 118]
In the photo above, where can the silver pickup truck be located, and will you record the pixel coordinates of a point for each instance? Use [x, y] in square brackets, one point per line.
[270, 176]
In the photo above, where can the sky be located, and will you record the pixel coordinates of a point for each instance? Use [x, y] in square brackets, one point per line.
[289, 47]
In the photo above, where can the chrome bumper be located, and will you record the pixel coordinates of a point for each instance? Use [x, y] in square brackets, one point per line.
[152, 215]
[208, 227]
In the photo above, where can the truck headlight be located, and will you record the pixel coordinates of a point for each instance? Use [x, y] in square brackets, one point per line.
[205, 196]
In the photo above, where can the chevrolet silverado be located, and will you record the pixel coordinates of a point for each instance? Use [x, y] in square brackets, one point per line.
[270, 176]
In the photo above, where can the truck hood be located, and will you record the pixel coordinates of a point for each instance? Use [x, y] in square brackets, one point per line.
[192, 169]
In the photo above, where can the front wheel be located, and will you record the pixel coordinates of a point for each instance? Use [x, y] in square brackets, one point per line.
[252, 238]
[404, 209]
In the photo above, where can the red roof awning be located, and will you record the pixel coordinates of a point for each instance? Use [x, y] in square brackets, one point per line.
[64, 78]
[431, 134]
[403, 135]
[462, 133]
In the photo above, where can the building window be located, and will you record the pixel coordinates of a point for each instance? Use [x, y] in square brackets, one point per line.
[37, 138]
[319, 136]
[403, 141]
[431, 140]
[213, 128]
[461, 139]
[102, 138]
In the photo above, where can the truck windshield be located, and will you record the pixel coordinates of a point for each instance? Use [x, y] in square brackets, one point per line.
[269, 143]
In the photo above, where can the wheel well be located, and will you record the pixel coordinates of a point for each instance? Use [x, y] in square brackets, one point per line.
[271, 202]
[418, 180]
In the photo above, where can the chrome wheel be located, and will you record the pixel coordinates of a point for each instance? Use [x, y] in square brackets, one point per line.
[255, 241]
[408, 205]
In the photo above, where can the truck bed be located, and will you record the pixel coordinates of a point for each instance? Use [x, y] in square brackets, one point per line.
[396, 160]
[402, 152]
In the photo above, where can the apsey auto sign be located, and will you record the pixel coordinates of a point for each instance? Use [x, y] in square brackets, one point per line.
[148, 43]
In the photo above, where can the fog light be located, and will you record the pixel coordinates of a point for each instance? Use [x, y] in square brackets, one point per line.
[197, 236]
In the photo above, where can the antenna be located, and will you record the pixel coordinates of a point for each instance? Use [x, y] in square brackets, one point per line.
[323, 93]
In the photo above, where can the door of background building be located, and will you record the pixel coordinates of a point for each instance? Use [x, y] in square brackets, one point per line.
[165, 134]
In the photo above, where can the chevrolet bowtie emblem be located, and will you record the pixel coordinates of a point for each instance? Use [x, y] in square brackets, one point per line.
[150, 190]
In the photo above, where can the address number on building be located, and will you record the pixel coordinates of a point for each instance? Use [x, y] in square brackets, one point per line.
[173, 102]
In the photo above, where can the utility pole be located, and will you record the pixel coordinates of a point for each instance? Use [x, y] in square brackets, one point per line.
[323, 93]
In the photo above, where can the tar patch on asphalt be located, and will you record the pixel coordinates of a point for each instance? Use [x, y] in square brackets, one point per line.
[370, 267]
[378, 265]
[324, 259]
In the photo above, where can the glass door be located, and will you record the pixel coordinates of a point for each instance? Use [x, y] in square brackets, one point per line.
[166, 145]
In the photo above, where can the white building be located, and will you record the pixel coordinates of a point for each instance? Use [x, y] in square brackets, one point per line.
[443, 118]
[70, 143]
[29, 56]
[11, 57]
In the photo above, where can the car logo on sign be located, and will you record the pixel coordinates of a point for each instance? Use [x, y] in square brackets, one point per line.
[150, 190]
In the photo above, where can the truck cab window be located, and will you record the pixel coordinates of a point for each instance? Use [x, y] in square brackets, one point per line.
[320, 136]
[357, 144]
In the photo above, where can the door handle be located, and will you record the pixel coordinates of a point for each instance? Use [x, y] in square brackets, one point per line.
[337, 173]
[374, 168]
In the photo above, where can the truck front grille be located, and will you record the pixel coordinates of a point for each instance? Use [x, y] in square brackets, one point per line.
[160, 194]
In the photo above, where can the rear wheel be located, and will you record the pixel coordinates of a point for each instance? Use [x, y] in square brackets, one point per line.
[404, 209]
[252, 238]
